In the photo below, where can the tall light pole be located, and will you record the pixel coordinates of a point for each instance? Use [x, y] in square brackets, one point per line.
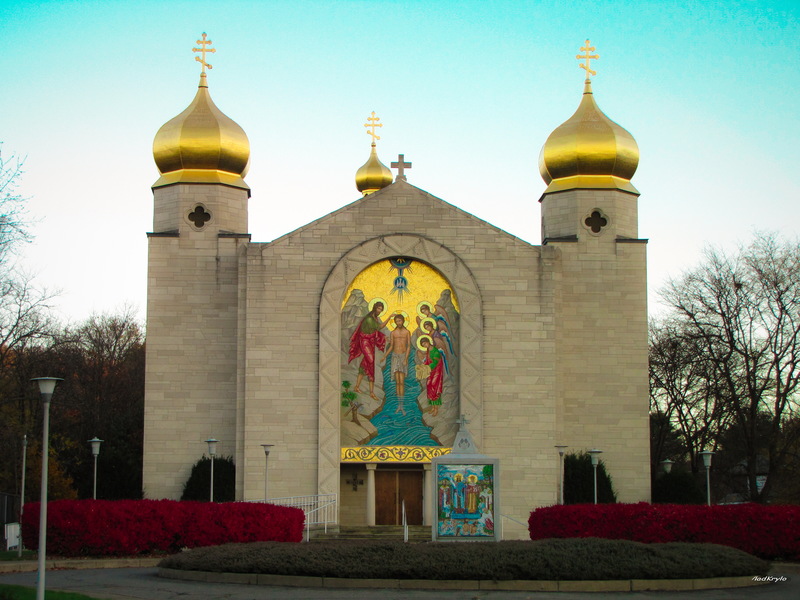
[266, 448]
[46, 387]
[212, 451]
[95, 442]
[561, 471]
[707, 454]
[595, 460]
[666, 464]
[22, 492]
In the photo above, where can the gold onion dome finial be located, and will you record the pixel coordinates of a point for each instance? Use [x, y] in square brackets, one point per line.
[373, 175]
[202, 145]
[589, 150]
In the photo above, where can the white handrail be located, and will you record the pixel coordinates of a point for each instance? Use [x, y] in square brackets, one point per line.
[318, 510]
[405, 523]
[525, 525]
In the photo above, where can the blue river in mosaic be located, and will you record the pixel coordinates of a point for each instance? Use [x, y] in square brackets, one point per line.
[394, 427]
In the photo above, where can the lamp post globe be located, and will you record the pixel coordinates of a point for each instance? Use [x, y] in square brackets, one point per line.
[95, 443]
[706, 456]
[595, 454]
[561, 450]
[267, 448]
[47, 386]
[212, 451]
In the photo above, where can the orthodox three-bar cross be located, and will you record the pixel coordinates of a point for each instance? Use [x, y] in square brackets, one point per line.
[373, 123]
[587, 57]
[203, 49]
[401, 167]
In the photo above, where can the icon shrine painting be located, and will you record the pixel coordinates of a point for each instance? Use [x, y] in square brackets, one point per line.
[465, 501]
[399, 396]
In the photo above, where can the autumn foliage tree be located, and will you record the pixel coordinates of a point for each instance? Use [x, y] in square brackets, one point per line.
[102, 394]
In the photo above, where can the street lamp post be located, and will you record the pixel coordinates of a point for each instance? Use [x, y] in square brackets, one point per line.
[46, 387]
[666, 464]
[212, 451]
[266, 448]
[95, 442]
[707, 454]
[595, 460]
[22, 492]
[561, 471]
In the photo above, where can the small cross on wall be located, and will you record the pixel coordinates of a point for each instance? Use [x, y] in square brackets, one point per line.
[401, 167]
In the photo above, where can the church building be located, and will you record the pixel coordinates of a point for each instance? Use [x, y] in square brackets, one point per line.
[358, 345]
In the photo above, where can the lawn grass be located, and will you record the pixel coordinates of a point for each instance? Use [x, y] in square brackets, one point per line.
[13, 555]
[18, 592]
[554, 559]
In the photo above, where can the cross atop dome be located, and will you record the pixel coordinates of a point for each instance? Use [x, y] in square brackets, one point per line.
[587, 57]
[373, 123]
[203, 49]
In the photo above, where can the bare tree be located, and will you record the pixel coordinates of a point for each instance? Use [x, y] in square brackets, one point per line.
[13, 217]
[682, 391]
[739, 315]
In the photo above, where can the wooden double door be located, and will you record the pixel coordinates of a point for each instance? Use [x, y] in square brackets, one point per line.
[392, 488]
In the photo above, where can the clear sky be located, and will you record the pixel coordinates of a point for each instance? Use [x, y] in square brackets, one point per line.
[467, 90]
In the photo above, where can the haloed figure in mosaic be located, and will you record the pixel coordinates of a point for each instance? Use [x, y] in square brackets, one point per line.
[397, 351]
[366, 340]
[440, 318]
[433, 369]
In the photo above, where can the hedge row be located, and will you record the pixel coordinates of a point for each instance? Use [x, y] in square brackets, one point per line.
[769, 532]
[131, 527]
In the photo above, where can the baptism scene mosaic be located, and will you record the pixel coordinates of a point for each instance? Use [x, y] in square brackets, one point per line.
[400, 324]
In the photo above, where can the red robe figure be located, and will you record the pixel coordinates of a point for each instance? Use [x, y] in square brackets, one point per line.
[436, 378]
[366, 338]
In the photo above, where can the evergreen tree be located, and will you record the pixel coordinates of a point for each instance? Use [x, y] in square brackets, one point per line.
[579, 481]
[198, 486]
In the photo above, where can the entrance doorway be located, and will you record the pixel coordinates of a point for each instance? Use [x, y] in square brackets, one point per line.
[392, 488]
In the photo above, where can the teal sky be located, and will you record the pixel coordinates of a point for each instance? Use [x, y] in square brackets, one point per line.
[468, 91]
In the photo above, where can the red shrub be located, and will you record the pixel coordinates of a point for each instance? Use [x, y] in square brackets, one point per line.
[769, 532]
[130, 527]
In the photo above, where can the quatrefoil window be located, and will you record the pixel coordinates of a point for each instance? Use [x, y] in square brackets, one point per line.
[199, 216]
[596, 221]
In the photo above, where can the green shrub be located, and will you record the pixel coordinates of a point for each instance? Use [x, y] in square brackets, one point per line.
[198, 486]
[579, 481]
[567, 559]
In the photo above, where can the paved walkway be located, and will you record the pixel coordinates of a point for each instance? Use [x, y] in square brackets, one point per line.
[144, 584]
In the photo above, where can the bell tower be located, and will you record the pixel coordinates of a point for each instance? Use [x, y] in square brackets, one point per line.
[199, 226]
[590, 215]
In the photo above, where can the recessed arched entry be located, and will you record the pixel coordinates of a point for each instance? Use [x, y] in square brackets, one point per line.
[336, 459]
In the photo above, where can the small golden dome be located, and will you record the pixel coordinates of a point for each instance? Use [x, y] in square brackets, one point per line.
[202, 145]
[589, 150]
[373, 175]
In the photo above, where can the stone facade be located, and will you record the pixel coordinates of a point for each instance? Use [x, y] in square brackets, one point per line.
[244, 344]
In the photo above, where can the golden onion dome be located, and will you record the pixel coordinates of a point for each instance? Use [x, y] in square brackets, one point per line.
[202, 145]
[589, 151]
[373, 175]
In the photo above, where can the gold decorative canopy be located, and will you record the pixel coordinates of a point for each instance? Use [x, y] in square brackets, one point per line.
[202, 145]
[373, 174]
[589, 150]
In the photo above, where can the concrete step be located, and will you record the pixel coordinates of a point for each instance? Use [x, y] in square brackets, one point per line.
[416, 533]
